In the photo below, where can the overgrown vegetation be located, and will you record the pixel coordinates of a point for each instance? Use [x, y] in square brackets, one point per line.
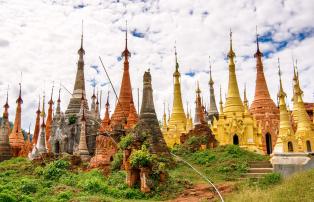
[298, 187]
[224, 163]
[23, 180]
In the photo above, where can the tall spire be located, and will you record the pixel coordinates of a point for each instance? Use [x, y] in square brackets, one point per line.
[5, 150]
[213, 111]
[16, 136]
[245, 101]
[49, 121]
[220, 102]
[123, 106]
[58, 109]
[296, 92]
[177, 118]
[79, 85]
[199, 114]
[284, 124]
[126, 54]
[233, 102]
[41, 142]
[37, 124]
[6, 107]
[105, 123]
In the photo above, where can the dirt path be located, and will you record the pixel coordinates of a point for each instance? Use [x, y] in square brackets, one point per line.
[203, 192]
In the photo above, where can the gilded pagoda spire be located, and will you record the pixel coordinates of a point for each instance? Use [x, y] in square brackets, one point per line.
[296, 91]
[164, 119]
[177, 114]
[285, 128]
[213, 111]
[16, 137]
[37, 124]
[221, 109]
[49, 121]
[123, 105]
[233, 101]
[245, 101]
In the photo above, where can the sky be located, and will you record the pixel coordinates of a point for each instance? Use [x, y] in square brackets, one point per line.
[40, 38]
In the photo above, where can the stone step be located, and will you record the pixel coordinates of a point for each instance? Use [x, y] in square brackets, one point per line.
[255, 175]
[260, 164]
[260, 170]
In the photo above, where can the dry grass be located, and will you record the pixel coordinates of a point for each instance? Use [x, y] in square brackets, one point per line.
[299, 187]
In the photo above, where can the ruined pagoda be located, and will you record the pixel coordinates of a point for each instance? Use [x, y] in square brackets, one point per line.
[37, 124]
[5, 149]
[236, 125]
[125, 110]
[71, 126]
[148, 122]
[177, 122]
[263, 107]
[16, 137]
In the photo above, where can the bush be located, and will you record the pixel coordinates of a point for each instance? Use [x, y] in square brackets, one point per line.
[72, 119]
[141, 158]
[234, 150]
[54, 170]
[94, 185]
[117, 161]
[270, 179]
[6, 197]
[28, 187]
[65, 196]
[203, 157]
[116, 178]
[126, 141]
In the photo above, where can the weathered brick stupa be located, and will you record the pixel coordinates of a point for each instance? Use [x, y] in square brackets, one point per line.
[125, 113]
[148, 122]
[16, 137]
[5, 149]
[70, 128]
[263, 107]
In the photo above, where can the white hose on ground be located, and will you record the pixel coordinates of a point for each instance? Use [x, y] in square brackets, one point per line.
[203, 176]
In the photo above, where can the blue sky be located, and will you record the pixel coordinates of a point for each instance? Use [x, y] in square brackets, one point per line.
[41, 37]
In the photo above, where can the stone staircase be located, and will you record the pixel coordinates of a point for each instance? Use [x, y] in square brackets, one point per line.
[258, 169]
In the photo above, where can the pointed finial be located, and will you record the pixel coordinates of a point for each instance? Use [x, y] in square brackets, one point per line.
[83, 115]
[175, 52]
[211, 82]
[6, 106]
[126, 34]
[82, 34]
[19, 99]
[107, 103]
[231, 54]
[59, 100]
[258, 52]
[244, 93]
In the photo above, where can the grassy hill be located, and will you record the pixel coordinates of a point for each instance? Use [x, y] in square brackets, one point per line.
[59, 180]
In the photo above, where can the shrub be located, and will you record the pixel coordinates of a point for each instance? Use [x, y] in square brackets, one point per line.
[141, 158]
[126, 141]
[94, 185]
[72, 119]
[65, 196]
[116, 178]
[270, 179]
[6, 197]
[117, 160]
[203, 157]
[233, 150]
[55, 169]
[28, 186]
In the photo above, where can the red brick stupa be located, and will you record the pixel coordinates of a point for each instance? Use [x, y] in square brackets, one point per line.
[16, 137]
[124, 105]
[263, 107]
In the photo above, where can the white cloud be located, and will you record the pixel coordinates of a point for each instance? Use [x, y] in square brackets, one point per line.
[41, 39]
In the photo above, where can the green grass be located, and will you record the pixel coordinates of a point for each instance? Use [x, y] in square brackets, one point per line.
[23, 180]
[299, 187]
[224, 163]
